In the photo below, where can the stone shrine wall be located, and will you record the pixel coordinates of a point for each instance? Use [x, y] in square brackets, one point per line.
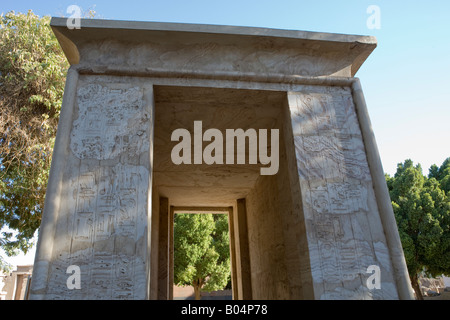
[102, 226]
[345, 233]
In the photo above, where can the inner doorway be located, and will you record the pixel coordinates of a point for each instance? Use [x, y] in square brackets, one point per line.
[201, 245]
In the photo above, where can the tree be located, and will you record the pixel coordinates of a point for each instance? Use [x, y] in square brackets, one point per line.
[201, 252]
[32, 78]
[441, 174]
[422, 212]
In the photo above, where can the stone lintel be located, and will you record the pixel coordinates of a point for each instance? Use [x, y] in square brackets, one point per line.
[111, 45]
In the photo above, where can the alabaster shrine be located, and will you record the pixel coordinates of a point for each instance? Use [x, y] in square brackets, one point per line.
[308, 208]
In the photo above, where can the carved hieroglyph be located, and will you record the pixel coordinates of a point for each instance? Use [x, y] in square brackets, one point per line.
[104, 231]
[110, 121]
[341, 215]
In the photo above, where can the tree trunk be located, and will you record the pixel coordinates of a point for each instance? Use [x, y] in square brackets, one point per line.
[197, 292]
[416, 287]
[197, 284]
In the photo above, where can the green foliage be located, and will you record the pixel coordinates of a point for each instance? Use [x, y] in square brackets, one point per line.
[5, 267]
[422, 212]
[201, 251]
[442, 175]
[32, 78]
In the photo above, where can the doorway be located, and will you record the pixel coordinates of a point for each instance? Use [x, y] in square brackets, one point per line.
[268, 255]
[201, 244]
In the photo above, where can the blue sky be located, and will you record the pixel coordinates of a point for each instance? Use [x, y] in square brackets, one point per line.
[405, 80]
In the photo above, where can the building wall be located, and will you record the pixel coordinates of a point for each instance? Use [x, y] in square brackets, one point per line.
[342, 218]
[276, 230]
[106, 186]
[15, 286]
[266, 243]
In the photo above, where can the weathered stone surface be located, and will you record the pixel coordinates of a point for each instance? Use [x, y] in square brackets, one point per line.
[343, 227]
[110, 122]
[102, 226]
[207, 49]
